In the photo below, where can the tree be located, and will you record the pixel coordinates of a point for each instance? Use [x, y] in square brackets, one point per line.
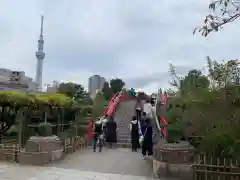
[175, 78]
[13, 104]
[229, 12]
[75, 91]
[191, 83]
[116, 85]
[194, 81]
[223, 74]
[107, 92]
[98, 105]
[205, 112]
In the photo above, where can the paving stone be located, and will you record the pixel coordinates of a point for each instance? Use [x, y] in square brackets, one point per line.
[116, 161]
[111, 164]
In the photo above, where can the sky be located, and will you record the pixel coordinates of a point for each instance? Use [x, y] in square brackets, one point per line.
[130, 39]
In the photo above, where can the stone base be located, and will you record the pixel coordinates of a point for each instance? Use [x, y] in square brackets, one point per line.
[40, 158]
[41, 150]
[41, 144]
[166, 170]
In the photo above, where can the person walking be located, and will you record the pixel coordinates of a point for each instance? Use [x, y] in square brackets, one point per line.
[104, 126]
[97, 135]
[134, 134]
[138, 108]
[90, 132]
[147, 108]
[147, 144]
[111, 132]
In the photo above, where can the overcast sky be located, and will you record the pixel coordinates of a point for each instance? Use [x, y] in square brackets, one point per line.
[131, 39]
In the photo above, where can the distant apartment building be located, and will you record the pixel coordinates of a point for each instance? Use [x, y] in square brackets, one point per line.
[53, 88]
[12, 80]
[95, 84]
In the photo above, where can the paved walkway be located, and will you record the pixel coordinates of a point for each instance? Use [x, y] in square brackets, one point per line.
[114, 164]
[17, 172]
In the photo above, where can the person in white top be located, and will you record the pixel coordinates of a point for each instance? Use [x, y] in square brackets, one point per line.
[147, 108]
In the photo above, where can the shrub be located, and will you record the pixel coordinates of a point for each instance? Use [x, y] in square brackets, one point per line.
[45, 129]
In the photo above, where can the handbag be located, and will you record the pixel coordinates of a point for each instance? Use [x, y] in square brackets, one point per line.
[142, 137]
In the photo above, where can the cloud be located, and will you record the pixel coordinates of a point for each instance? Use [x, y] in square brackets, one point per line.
[134, 40]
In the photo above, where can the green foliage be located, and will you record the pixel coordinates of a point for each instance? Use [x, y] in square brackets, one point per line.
[45, 129]
[116, 85]
[13, 101]
[206, 113]
[175, 133]
[19, 99]
[98, 105]
[76, 92]
[107, 92]
[15, 98]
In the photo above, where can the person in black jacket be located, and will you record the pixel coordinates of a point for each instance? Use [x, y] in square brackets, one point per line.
[134, 134]
[111, 132]
[147, 145]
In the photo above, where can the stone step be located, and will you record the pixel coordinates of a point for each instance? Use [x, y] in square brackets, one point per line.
[124, 145]
[124, 141]
[124, 137]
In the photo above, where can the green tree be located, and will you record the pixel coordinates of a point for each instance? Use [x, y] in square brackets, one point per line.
[194, 82]
[107, 92]
[222, 12]
[116, 85]
[98, 105]
[190, 84]
[206, 112]
[75, 91]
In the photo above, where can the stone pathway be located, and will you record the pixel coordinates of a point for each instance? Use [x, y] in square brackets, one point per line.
[116, 161]
[17, 172]
[114, 164]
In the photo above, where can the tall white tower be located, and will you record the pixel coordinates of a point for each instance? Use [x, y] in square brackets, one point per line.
[40, 56]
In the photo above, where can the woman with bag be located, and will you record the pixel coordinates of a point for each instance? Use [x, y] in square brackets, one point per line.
[147, 142]
[134, 134]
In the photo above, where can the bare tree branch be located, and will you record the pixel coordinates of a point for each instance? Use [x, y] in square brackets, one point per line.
[228, 12]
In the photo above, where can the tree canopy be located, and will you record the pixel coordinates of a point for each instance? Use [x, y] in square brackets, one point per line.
[75, 91]
[107, 91]
[98, 105]
[115, 86]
